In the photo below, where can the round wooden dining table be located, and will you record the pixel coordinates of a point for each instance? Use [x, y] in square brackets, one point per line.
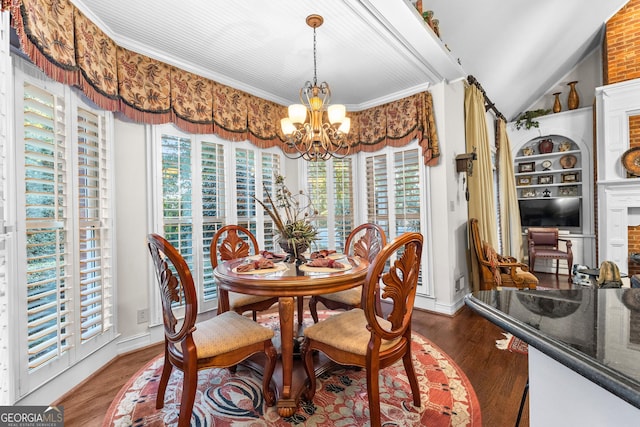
[287, 281]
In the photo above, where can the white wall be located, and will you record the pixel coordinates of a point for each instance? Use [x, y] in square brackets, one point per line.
[588, 74]
[447, 206]
[132, 227]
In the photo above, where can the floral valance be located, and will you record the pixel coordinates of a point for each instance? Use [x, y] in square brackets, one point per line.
[71, 49]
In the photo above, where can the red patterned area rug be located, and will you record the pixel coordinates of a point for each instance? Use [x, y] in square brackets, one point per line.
[513, 344]
[225, 399]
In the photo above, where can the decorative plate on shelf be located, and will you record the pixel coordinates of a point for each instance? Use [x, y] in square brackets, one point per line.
[631, 161]
[568, 161]
[546, 165]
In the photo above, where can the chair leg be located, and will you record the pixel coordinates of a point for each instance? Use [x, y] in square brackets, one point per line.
[272, 357]
[189, 384]
[313, 308]
[307, 357]
[522, 401]
[373, 392]
[300, 310]
[532, 262]
[413, 380]
[164, 380]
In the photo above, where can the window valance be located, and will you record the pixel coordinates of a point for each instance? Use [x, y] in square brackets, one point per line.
[72, 50]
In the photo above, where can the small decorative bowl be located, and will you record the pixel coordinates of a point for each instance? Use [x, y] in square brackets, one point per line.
[564, 146]
[527, 151]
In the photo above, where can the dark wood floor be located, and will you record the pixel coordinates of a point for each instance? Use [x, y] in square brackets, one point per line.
[497, 376]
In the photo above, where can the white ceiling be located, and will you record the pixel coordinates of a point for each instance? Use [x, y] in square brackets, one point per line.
[369, 51]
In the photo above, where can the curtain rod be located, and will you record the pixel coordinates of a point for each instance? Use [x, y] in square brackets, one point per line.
[488, 104]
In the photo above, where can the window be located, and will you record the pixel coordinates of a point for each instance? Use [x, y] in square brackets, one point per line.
[330, 186]
[394, 187]
[206, 183]
[64, 261]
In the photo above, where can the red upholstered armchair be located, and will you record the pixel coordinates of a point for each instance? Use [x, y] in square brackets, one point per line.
[544, 243]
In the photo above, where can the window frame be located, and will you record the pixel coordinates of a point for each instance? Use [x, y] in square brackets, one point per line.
[26, 380]
[257, 216]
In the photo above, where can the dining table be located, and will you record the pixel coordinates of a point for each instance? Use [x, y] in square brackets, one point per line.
[288, 281]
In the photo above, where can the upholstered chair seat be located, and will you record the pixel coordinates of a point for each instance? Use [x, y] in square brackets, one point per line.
[353, 337]
[225, 333]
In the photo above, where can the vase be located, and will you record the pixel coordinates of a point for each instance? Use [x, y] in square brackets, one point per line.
[545, 146]
[294, 251]
[557, 107]
[573, 100]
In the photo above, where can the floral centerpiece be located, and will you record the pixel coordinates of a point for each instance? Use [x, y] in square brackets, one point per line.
[292, 215]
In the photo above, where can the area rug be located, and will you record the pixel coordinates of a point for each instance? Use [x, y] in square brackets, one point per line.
[225, 399]
[512, 343]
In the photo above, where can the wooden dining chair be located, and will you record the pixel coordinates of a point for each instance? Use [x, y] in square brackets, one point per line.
[231, 242]
[362, 337]
[221, 341]
[364, 241]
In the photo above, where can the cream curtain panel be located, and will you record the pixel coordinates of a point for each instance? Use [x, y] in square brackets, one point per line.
[510, 226]
[481, 200]
[73, 50]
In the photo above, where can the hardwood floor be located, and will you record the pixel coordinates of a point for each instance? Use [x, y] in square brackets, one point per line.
[497, 376]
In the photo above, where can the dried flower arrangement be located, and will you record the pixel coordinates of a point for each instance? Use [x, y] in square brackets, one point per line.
[293, 216]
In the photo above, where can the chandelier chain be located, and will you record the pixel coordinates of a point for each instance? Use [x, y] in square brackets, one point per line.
[315, 66]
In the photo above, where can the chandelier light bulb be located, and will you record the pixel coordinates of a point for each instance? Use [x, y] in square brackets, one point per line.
[336, 113]
[297, 113]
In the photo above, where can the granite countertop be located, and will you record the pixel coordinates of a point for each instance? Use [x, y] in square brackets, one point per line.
[595, 332]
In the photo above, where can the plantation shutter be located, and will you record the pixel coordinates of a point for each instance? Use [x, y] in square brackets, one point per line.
[95, 246]
[177, 195]
[407, 191]
[213, 206]
[270, 168]
[330, 186]
[319, 194]
[245, 188]
[378, 192]
[49, 293]
[343, 199]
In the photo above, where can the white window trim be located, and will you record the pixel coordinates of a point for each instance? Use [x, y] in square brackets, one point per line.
[25, 382]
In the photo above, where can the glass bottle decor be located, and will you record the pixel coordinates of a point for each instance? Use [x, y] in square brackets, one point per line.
[573, 100]
[557, 107]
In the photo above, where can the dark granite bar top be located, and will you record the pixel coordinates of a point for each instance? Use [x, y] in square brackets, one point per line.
[595, 332]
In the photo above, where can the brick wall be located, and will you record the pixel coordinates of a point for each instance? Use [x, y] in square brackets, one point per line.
[622, 45]
[634, 247]
[621, 63]
[634, 130]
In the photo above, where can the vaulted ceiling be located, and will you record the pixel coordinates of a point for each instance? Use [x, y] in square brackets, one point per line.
[369, 51]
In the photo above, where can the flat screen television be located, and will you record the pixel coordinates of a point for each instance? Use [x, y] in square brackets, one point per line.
[563, 212]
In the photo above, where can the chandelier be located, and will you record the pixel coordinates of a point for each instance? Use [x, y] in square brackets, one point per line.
[316, 139]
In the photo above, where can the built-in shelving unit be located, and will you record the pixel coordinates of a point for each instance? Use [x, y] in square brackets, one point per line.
[549, 175]
[569, 186]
